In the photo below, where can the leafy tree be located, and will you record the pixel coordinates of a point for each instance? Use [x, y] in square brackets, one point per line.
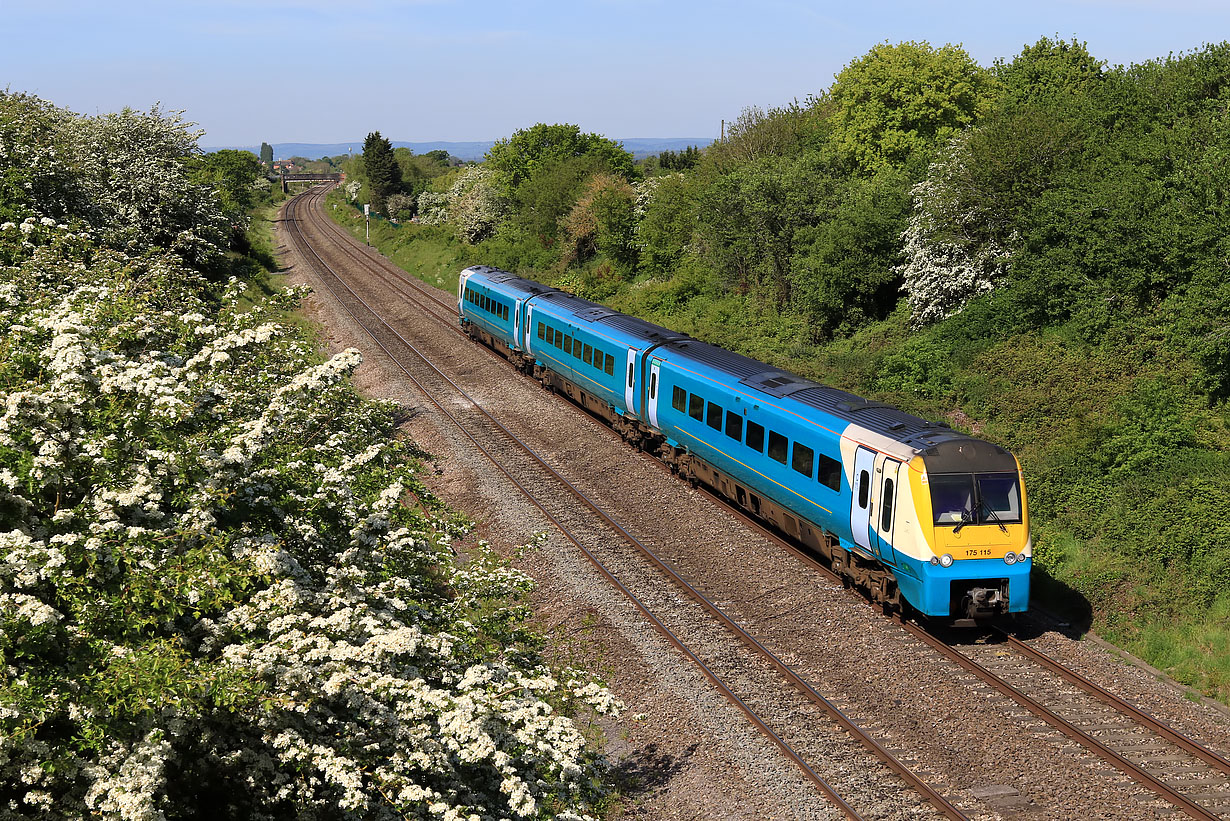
[439, 155]
[601, 222]
[232, 174]
[267, 154]
[898, 100]
[757, 134]
[547, 195]
[517, 157]
[843, 273]
[381, 169]
[666, 220]
[1049, 68]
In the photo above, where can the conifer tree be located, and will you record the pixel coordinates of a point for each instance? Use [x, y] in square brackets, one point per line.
[383, 174]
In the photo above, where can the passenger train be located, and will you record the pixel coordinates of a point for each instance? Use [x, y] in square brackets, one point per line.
[908, 510]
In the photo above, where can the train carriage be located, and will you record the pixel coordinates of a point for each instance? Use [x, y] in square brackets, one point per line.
[906, 508]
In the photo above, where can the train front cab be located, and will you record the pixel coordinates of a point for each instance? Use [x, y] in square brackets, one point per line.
[970, 500]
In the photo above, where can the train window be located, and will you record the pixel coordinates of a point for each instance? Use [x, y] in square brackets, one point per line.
[610, 365]
[829, 473]
[597, 358]
[486, 303]
[504, 312]
[679, 400]
[778, 445]
[886, 505]
[696, 407]
[589, 354]
[755, 437]
[542, 331]
[734, 426]
[713, 416]
[576, 348]
[864, 488]
[567, 344]
[802, 459]
[630, 372]
[653, 385]
[559, 338]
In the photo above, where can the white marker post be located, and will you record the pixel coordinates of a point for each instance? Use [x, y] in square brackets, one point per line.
[367, 220]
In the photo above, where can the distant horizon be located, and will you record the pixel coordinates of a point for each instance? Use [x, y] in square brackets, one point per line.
[639, 147]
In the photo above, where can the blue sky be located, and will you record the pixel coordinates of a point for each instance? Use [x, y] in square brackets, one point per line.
[317, 71]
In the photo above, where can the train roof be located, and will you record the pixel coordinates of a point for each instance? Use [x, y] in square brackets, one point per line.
[945, 450]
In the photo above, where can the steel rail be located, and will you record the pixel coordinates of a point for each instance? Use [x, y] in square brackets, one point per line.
[760, 724]
[1102, 694]
[1066, 727]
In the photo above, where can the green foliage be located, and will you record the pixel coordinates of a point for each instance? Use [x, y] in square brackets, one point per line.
[843, 274]
[1049, 69]
[679, 160]
[237, 177]
[667, 208]
[516, 158]
[266, 157]
[546, 195]
[898, 100]
[779, 132]
[602, 222]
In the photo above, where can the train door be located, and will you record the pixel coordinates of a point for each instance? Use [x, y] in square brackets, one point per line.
[516, 336]
[861, 502]
[884, 519]
[653, 393]
[629, 393]
[529, 329]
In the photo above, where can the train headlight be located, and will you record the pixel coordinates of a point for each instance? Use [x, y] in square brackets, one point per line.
[935, 560]
[1009, 558]
[946, 560]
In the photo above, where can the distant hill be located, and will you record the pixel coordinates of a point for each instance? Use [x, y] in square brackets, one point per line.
[639, 147]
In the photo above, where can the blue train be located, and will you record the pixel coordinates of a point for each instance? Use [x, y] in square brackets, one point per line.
[908, 510]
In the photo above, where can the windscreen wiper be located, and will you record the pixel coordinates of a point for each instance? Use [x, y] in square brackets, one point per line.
[967, 516]
[994, 516]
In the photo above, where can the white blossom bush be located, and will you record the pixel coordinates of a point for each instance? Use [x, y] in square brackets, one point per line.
[475, 205]
[123, 174]
[400, 206]
[214, 598]
[433, 208]
[952, 254]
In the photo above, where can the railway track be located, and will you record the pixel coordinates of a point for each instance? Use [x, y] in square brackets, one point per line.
[806, 727]
[1193, 779]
